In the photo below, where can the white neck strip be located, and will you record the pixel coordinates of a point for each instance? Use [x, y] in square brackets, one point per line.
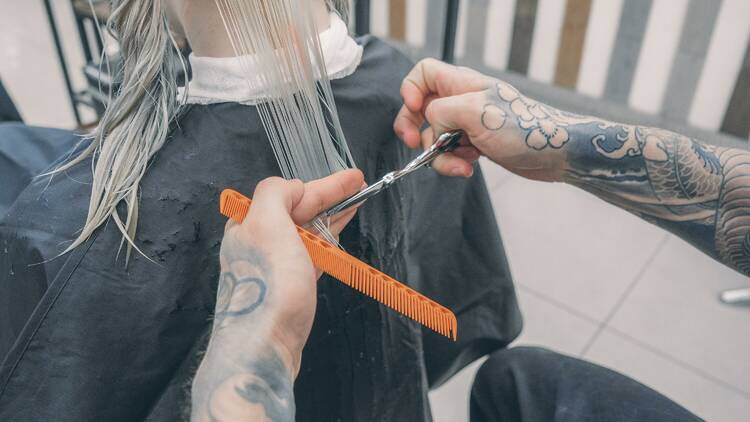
[222, 79]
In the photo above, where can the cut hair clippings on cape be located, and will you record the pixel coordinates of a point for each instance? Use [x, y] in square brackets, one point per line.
[281, 54]
[357, 274]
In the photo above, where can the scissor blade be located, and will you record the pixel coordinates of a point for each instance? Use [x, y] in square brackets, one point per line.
[445, 142]
[356, 199]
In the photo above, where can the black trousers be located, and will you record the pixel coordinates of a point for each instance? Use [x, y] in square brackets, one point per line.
[533, 384]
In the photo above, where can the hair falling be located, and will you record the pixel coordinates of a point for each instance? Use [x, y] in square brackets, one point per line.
[136, 122]
[279, 51]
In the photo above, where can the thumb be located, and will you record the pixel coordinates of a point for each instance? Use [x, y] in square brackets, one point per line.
[275, 197]
[321, 194]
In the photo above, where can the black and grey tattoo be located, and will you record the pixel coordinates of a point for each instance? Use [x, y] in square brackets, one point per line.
[237, 297]
[697, 191]
[261, 391]
[242, 376]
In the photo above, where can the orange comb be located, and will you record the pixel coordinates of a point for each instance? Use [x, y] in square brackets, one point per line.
[358, 275]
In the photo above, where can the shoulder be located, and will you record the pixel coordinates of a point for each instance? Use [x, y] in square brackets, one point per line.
[377, 51]
[376, 83]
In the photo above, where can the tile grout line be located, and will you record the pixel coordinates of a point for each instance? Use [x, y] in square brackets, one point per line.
[684, 365]
[552, 301]
[604, 323]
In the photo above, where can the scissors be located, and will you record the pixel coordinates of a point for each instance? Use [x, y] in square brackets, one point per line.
[444, 143]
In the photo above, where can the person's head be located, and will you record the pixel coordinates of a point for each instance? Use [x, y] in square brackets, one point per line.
[137, 120]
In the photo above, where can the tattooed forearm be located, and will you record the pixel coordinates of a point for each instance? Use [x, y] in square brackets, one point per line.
[261, 390]
[244, 375]
[697, 191]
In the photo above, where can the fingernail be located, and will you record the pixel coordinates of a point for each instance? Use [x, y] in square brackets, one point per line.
[470, 172]
[456, 171]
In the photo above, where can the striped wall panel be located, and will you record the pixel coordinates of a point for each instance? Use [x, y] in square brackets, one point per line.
[523, 28]
[418, 16]
[687, 60]
[575, 25]
[721, 68]
[472, 27]
[461, 31]
[499, 33]
[546, 40]
[737, 117]
[691, 54]
[379, 17]
[598, 46]
[397, 19]
[435, 23]
[659, 47]
[626, 50]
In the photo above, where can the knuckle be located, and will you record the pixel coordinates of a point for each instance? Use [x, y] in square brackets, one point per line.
[429, 112]
[477, 100]
[435, 108]
[295, 184]
[317, 201]
[441, 76]
[267, 184]
[429, 61]
[341, 190]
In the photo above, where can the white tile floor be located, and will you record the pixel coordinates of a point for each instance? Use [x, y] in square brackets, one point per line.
[593, 281]
[596, 282]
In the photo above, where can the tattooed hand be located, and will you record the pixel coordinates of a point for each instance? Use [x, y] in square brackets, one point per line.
[518, 133]
[697, 191]
[265, 302]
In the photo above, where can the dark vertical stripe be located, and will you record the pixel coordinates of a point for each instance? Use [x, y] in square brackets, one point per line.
[737, 118]
[476, 32]
[691, 54]
[61, 58]
[8, 110]
[571, 42]
[523, 34]
[627, 49]
[449, 35]
[434, 27]
[362, 17]
[397, 19]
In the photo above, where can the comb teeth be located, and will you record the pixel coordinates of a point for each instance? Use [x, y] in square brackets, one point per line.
[358, 275]
[233, 205]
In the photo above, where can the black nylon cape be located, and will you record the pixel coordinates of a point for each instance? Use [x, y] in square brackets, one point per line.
[87, 338]
[26, 151]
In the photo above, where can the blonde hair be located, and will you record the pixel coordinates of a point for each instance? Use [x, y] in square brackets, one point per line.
[137, 120]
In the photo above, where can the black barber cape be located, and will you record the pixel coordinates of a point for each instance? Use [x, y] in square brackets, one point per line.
[86, 338]
[26, 151]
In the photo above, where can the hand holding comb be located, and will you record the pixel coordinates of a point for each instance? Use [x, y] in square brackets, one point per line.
[357, 274]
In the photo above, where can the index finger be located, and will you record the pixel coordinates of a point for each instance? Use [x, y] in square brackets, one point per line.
[431, 77]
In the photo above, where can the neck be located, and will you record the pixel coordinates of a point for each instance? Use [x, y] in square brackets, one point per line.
[200, 22]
